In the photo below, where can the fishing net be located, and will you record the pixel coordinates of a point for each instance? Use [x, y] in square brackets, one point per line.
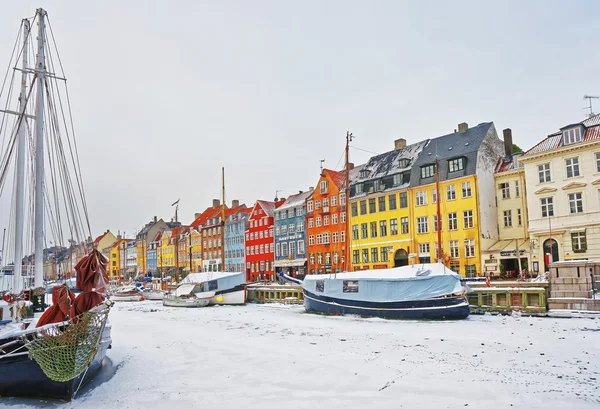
[65, 352]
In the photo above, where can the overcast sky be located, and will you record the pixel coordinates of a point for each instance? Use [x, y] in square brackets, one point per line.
[165, 93]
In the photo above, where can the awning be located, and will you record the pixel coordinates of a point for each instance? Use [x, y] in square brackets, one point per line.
[184, 289]
[290, 263]
[498, 246]
[508, 248]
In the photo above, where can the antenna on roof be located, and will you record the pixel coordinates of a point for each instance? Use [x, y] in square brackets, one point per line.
[277, 195]
[589, 98]
[322, 160]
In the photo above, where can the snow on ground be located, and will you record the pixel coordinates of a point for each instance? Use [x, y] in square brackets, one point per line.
[275, 356]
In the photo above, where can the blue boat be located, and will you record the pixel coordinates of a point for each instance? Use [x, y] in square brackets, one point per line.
[423, 291]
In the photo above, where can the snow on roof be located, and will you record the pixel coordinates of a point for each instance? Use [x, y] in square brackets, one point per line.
[197, 278]
[296, 200]
[435, 269]
[388, 163]
[554, 141]
[268, 207]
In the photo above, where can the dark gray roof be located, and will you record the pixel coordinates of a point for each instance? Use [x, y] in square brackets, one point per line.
[455, 145]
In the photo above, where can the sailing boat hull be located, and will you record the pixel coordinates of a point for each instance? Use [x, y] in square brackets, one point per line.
[232, 296]
[436, 308]
[21, 376]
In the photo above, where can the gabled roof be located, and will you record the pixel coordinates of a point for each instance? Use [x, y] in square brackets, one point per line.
[296, 200]
[338, 178]
[389, 163]
[555, 140]
[100, 237]
[504, 165]
[205, 215]
[268, 207]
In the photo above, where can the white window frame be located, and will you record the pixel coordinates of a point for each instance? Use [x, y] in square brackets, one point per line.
[575, 202]
[544, 173]
[572, 167]
[422, 224]
[466, 190]
[547, 205]
[451, 192]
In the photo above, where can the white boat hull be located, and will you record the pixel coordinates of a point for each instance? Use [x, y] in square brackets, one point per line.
[117, 297]
[154, 295]
[185, 302]
[230, 298]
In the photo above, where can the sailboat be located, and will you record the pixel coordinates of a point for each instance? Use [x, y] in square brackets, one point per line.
[218, 287]
[47, 352]
[427, 290]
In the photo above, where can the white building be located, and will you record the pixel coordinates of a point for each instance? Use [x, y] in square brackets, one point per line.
[562, 174]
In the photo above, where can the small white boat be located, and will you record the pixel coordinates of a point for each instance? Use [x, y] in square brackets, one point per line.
[186, 295]
[227, 288]
[131, 293]
[153, 295]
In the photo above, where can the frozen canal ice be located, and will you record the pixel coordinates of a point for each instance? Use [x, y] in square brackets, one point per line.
[275, 356]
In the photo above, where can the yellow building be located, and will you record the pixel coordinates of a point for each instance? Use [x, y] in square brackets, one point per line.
[394, 202]
[167, 251]
[196, 240]
[115, 254]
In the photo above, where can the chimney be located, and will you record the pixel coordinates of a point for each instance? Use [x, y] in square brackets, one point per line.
[155, 220]
[463, 127]
[311, 188]
[508, 143]
[399, 144]
[235, 203]
[216, 202]
[196, 215]
[300, 192]
[350, 165]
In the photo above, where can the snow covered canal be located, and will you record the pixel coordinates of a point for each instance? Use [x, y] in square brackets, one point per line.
[275, 356]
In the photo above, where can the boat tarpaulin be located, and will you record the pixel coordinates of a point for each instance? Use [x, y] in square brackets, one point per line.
[390, 285]
[184, 289]
[91, 280]
[60, 310]
[216, 281]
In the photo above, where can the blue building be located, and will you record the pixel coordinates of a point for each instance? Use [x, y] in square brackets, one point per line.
[290, 236]
[151, 256]
[236, 222]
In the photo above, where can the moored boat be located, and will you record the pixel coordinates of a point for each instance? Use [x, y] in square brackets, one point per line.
[153, 295]
[423, 291]
[228, 288]
[188, 296]
[129, 293]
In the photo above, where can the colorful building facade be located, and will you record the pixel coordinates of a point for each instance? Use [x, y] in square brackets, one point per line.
[326, 224]
[236, 224]
[290, 235]
[260, 242]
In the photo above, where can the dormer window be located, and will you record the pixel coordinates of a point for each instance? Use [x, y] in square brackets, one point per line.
[572, 135]
[397, 179]
[455, 165]
[364, 174]
[427, 171]
[376, 185]
[359, 188]
[403, 163]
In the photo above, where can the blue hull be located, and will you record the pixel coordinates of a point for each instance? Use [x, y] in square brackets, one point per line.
[436, 308]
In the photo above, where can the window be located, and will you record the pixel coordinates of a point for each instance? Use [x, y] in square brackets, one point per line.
[326, 220]
[358, 188]
[334, 218]
[517, 189]
[454, 248]
[404, 225]
[323, 185]
[466, 189]
[434, 195]
[505, 190]
[355, 232]
[452, 221]
[319, 239]
[336, 257]
[469, 248]
[355, 257]
[318, 221]
[343, 217]
[455, 266]
[421, 198]
[301, 247]
[382, 203]
[312, 259]
[519, 218]
[393, 227]
[384, 254]
[354, 209]
[424, 249]
[423, 224]
[319, 286]
[311, 240]
[547, 206]
[284, 229]
[598, 162]
[471, 270]
[335, 237]
[311, 223]
[454, 165]
[327, 258]
[437, 250]
[325, 202]
[571, 136]
[427, 171]
[579, 242]
[373, 229]
[292, 246]
[544, 173]
[365, 255]
[397, 179]
[507, 218]
[342, 198]
[372, 208]
[364, 231]
[309, 206]
[376, 185]
[326, 238]
[435, 223]
[374, 255]
[451, 192]
[468, 218]
[333, 200]
[572, 167]
[382, 228]
[284, 249]
[320, 258]
[363, 207]
[277, 250]
[392, 201]
[350, 286]
[576, 203]
[317, 204]
[291, 228]
[403, 200]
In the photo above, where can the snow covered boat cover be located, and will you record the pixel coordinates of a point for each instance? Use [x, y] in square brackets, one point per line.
[216, 281]
[416, 282]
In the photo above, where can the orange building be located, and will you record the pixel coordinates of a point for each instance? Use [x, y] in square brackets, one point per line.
[326, 224]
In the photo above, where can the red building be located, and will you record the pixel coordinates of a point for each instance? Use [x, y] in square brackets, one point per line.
[326, 225]
[260, 241]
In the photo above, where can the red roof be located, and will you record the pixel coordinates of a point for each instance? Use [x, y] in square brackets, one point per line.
[554, 141]
[100, 237]
[339, 178]
[205, 215]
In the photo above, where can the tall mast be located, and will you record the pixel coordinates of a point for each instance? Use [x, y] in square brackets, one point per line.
[439, 215]
[40, 72]
[223, 220]
[20, 187]
[347, 262]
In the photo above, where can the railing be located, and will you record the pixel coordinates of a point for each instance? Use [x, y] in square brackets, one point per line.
[286, 294]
